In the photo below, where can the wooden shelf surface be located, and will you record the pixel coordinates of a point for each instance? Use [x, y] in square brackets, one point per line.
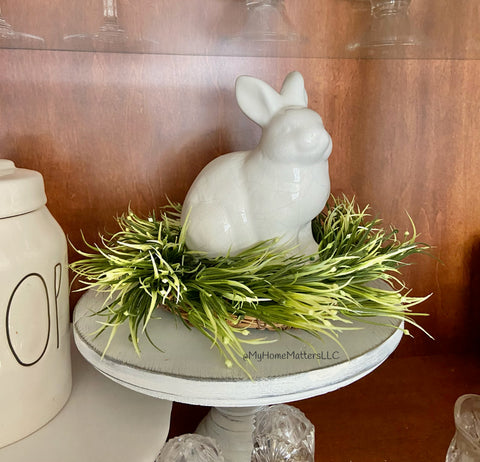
[402, 411]
[325, 29]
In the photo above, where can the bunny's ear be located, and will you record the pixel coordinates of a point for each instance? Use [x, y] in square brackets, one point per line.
[258, 100]
[293, 90]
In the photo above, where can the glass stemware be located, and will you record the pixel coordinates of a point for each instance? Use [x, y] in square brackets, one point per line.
[267, 20]
[283, 433]
[110, 34]
[265, 30]
[9, 38]
[389, 27]
[110, 31]
[189, 448]
[465, 445]
[6, 30]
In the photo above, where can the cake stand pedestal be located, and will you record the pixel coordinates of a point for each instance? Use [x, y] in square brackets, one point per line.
[189, 371]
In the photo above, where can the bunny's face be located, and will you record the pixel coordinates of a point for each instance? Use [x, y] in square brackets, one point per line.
[296, 135]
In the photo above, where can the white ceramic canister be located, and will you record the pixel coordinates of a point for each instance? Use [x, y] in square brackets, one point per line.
[35, 367]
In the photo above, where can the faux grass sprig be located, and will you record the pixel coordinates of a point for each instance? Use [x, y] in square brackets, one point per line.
[146, 265]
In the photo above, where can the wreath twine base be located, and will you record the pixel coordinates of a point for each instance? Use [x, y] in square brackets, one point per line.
[245, 322]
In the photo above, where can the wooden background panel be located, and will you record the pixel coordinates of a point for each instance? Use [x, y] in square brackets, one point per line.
[109, 130]
[418, 128]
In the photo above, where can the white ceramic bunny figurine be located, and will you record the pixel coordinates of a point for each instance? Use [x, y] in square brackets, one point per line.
[272, 191]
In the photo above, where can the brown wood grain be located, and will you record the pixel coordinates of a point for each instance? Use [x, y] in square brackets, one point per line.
[400, 412]
[112, 130]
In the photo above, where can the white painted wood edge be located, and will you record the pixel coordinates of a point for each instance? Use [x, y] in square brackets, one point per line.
[240, 393]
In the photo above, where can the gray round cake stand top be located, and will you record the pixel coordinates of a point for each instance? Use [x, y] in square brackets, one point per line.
[189, 370]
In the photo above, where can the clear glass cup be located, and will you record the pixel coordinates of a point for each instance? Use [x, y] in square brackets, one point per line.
[267, 20]
[465, 445]
[282, 433]
[191, 448]
[389, 27]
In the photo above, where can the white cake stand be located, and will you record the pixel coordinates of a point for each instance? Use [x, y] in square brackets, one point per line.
[190, 371]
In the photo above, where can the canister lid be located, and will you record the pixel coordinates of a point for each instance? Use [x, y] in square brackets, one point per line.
[21, 190]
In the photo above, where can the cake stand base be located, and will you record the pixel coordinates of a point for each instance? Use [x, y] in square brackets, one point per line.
[232, 429]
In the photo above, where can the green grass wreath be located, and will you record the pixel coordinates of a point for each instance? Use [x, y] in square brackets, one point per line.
[146, 266]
